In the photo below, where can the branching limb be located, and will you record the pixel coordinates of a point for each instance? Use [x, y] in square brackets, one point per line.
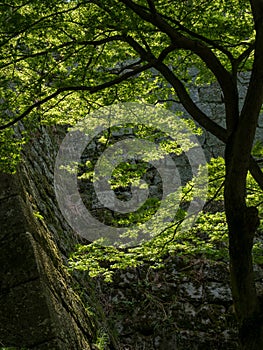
[72, 43]
[90, 89]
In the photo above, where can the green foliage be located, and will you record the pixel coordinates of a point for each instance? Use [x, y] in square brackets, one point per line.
[208, 238]
[38, 215]
[10, 147]
[78, 47]
[258, 149]
[216, 169]
[102, 339]
[137, 170]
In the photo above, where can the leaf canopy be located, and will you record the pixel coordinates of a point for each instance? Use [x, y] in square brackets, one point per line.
[76, 56]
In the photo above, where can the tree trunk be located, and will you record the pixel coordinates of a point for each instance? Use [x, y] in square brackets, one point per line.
[242, 224]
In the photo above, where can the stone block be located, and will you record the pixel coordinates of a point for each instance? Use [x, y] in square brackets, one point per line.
[210, 93]
[218, 292]
[13, 219]
[17, 261]
[25, 318]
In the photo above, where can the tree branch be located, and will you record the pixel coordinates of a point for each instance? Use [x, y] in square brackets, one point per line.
[90, 89]
[179, 88]
[245, 54]
[214, 44]
[200, 49]
[254, 97]
[198, 115]
[23, 30]
[203, 119]
[69, 43]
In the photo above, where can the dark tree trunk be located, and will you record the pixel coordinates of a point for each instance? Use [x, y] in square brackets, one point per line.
[242, 220]
[242, 224]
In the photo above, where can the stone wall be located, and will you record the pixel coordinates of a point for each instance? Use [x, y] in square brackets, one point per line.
[39, 301]
[187, 304]
[209, 99]
[39, 309]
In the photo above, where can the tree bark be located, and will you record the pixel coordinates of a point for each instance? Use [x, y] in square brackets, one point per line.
[242, 224]
[242, 220]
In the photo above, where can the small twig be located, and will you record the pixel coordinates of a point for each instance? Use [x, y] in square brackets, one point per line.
[215, 195]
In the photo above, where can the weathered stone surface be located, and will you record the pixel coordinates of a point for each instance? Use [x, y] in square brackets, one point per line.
[210, 94]
[13, 216]
[38, 307]
[17, 261]
[170, 308]
[25, 317]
